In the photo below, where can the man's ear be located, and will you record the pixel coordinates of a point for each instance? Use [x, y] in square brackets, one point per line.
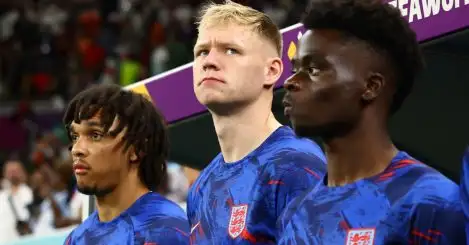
[274, 70]
[133, 158]
[374, 85]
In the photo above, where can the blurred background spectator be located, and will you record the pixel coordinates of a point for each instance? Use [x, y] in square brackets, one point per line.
[52, 49]
[15, 197]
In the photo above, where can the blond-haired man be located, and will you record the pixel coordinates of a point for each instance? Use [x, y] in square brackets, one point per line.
[262, 164]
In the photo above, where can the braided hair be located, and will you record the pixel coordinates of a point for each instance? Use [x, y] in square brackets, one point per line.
[145, 127]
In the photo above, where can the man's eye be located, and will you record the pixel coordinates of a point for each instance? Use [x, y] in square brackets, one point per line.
[73, 137]
[313, 71]
[231, 51]
[95, 136]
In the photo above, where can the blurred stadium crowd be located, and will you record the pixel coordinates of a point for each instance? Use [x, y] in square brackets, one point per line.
[50, 50]
[56, 48]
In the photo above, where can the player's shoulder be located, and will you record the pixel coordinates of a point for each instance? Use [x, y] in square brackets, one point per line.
[156, 211]
[294, 164]
[433, 186]
[86, 225]
[294, 151]
[160, 220]
[296, 155]
[425, 184]
[155, 206]
[287, 140]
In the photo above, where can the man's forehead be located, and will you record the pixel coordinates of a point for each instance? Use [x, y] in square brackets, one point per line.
[321, 42]
[12, 163]
[224, 33]
[223, 26]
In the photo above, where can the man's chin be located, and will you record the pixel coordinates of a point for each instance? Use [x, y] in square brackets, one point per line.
[95, 191]
[87, 190]
[223, 108]
[310, 132]
[304, 131]
[323, 131]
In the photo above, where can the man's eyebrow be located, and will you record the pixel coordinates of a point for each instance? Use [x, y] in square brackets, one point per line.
[223, 44]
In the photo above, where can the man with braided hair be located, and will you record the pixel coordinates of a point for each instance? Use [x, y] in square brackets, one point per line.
[119, 149]
[352, 70]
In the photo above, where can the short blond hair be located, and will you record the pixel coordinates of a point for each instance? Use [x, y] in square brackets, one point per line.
[213, 14]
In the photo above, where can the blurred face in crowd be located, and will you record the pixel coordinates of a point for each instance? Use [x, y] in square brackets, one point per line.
[14, 172]
[99, 161]
[233, 66]
[65, 173]
[36, 180]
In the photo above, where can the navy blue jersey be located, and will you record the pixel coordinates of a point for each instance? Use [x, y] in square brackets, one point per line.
[239, 203]
[409, 203]
[152, 219]
[465, 189]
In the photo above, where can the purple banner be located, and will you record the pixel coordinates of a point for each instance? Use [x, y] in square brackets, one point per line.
[173, 94]
[432, 18]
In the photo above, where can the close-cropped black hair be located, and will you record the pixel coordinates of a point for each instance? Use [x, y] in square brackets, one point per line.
[145, 127]
[382, 27]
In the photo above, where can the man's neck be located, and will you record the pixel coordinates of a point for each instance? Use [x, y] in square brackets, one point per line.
[241, 133]
[113, 204]
[363, 153]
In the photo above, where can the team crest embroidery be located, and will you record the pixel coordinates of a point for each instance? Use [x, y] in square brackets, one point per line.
[365, 236]
[237, 220]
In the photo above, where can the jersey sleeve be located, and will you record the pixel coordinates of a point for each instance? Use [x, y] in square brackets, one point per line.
[302, 172]
[432, 223]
